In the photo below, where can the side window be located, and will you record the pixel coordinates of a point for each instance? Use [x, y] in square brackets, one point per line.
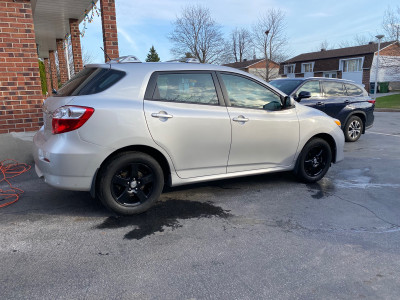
[188, 88]
[246, 93]
[311, 86]
[353, 90]
[333, 89]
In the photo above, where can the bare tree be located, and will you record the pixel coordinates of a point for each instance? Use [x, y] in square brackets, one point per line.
[270, 39]
[324, 45]
[357, 40]
[197, 33]
[391, 23]
[240, 43]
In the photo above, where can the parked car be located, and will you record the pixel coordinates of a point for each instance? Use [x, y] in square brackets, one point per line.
[124, 130]
[341, 99]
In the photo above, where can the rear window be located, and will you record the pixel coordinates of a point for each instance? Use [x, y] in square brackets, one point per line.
[286, 86]
[188, 88]
[353, 90]
[332, 88]
[90, 81]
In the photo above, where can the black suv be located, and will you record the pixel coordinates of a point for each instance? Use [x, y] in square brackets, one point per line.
[338, 98]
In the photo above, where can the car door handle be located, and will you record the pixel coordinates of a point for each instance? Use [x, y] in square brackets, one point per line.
[240, 119]
[161, 115]
[320, 103]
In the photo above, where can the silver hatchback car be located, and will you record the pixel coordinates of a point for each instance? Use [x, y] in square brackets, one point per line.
[124, 130]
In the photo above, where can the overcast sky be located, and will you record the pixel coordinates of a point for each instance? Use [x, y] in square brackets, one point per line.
[142, 24]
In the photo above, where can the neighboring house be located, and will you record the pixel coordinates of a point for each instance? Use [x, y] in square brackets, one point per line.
[353, 63]
[257, 67]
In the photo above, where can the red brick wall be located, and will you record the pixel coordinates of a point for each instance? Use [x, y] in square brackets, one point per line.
[20, 88]
[62, 62]
[54, 78]
[392, 50]
[109, 23]
[365, 78]
[48, 75]
[76, 44]
[262, 64]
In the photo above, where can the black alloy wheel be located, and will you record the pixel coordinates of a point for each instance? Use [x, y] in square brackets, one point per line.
[353, 129]
[313, 161]
[130, 183]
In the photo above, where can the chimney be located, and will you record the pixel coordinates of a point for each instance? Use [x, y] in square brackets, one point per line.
[323, 49]
[370, 43]
[245, 59]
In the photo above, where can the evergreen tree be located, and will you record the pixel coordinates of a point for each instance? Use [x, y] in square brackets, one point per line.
[43, 80]
[152, 56]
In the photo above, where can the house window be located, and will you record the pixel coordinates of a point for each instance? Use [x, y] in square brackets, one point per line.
[289, 69]
[351, 65]
[307, 67]
[330, 75]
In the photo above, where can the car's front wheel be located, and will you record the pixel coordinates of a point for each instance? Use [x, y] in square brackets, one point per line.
[313, 161]
[353, 129]
[130, 183]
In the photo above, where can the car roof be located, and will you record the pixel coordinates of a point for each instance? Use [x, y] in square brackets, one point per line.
[149, 67]
[167, 66]
[318, 78]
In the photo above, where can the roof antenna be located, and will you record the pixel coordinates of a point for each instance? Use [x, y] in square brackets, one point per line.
[109, 58]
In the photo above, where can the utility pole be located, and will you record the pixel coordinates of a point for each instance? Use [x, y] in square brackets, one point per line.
[379, 37]
[266, 57]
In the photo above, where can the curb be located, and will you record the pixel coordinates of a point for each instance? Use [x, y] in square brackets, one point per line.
[387, 109]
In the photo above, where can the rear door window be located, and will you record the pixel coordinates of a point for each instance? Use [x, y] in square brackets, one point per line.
[333, 89]
[90, 81]
[311, 86]
[353, 90]
[196, 88]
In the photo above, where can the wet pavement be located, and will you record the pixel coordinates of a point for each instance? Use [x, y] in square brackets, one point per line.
[259, 237]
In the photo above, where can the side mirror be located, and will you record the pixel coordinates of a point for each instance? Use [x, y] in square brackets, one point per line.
[54, 92]
[273, 105]
[303, 95]
[288, 101]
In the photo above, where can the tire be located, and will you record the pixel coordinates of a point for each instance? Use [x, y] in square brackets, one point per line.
[353, 129]
[313, 161]
[130, 183]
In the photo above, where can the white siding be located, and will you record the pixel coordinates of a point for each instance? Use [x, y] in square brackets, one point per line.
[355, 76]
[308, 74]
[389, 69]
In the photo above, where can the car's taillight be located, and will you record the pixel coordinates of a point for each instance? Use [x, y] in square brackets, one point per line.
[372, 101]
[68, 118]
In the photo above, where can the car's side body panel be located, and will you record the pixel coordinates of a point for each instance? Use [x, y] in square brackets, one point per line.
[269, 139]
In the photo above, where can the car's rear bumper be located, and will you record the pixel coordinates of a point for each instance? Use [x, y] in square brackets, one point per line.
[65, 161]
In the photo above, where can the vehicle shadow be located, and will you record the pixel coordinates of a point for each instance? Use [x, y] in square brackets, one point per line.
[41, 199]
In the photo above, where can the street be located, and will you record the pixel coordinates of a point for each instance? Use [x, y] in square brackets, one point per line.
[258, 237]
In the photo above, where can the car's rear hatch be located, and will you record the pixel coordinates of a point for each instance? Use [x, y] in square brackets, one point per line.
[49, 106]
[91, 80]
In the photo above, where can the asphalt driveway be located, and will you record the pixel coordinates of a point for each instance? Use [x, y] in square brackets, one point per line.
[260, 237]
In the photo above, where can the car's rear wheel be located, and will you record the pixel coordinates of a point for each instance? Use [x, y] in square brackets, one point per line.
[314, 160]
[353, 129]
[130, 183]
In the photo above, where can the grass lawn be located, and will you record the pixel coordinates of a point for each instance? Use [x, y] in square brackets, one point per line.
[391, 101]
